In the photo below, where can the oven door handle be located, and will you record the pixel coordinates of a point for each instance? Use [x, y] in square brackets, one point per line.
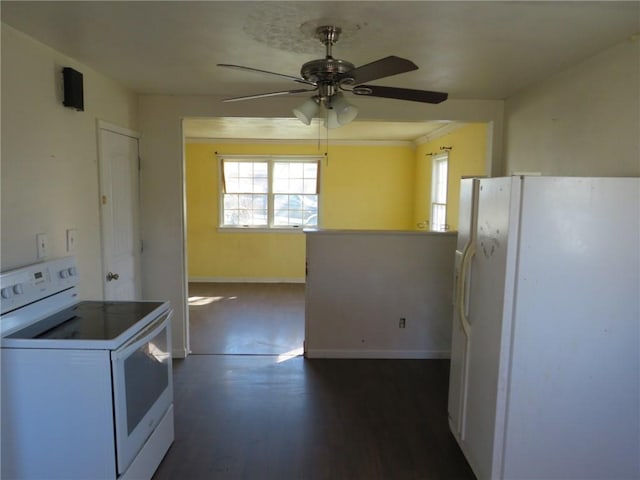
[144, 336]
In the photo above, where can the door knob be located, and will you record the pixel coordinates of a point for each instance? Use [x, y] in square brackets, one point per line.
[112, 276]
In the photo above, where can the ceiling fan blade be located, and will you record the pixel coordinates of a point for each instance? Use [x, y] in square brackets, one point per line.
[424, 96]
[257, 70]
[269, 94]
[385, 67]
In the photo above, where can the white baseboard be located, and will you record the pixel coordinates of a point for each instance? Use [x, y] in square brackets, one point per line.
[379, 354]
[244, 280]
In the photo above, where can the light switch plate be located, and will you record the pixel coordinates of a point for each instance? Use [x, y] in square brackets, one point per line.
[72, 239]
[43, 245]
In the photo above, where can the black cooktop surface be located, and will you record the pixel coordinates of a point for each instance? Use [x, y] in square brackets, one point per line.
[89, 321]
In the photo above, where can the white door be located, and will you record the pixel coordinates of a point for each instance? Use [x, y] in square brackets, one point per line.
[467, 218]
[119, 202]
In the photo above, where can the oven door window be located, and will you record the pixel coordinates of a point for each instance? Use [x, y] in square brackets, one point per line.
[143, 388]
[145, 378]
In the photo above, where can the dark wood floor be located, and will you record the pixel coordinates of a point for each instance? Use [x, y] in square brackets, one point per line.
[246, 318]
[257, 417]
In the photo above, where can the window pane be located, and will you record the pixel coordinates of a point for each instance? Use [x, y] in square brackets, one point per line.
[231, 217]
[310, 186]
[280, 170]
[246, 201]
[260, 217]
[295, 210]
[310, 218]
[295, 177]
[246, 169]
[296, 185]
[230, 169]
[260, 202]
[261, 185]
[295, 170]
[230, 201]
[438, 217]
[281, 185]
[244, 217]
[310, 202]
[261, 170]
[310, 170]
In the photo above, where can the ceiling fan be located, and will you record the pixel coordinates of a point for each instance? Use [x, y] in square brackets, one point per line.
[330, 76]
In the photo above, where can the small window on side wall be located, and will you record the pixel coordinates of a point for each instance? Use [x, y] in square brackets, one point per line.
[439, 178]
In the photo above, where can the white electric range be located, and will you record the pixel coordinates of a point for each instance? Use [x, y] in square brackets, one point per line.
[87, 388]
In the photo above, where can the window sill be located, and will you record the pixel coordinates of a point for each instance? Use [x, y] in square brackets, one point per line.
[261, 229]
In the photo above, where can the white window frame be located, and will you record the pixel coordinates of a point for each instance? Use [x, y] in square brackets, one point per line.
[439, 192]
[270, 160]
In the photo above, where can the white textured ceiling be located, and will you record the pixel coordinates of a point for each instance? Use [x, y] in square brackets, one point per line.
[473, 50]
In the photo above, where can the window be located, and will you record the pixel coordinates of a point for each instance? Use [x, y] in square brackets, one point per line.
[263, 192]
[439, 177]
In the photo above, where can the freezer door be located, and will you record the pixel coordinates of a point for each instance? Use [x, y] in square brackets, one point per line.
[459, 336]
[492, 269]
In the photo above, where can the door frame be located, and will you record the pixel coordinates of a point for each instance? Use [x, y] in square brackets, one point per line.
[103, 125]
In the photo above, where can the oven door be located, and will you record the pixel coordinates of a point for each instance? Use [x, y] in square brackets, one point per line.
[142, 387]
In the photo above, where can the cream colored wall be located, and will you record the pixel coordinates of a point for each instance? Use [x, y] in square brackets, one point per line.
[362, 187]
[49, 156]
[584, 121]
[361, 283]
[467, 157]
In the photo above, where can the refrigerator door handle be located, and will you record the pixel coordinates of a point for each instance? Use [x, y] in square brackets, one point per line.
[463, 299]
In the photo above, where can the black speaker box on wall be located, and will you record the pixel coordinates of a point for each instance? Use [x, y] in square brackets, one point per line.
[73, 91]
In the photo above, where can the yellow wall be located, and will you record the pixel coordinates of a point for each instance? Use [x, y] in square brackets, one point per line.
[367, 187]
[380, 187]
[362, 187]
[467, 157]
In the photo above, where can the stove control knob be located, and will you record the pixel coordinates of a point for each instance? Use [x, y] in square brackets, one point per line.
[6, 292]
[17, 289]
[63, 273]
[72, 271]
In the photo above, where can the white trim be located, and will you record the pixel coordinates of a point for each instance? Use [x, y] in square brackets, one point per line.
[291, 141]
[102, 125]
[380, 354]
[246, 280]
[270, 157]
[249, 229]
[439, 132]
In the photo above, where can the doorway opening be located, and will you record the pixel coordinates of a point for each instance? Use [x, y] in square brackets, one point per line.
[246, 318]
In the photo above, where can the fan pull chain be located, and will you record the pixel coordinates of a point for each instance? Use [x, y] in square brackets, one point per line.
[326, 126]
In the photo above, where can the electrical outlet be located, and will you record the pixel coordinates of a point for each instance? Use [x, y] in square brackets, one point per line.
[43, 245]
[72, 239]
[402, 323]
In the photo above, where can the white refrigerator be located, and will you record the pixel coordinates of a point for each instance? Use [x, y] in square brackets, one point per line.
[545, 361]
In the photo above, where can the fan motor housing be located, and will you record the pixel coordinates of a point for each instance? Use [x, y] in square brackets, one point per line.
[325, 70]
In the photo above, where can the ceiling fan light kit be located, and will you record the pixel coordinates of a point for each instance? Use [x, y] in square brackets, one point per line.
[307, 110]
[340, 110]
[330, 77]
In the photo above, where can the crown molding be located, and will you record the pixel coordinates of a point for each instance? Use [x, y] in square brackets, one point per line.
[322, 142]
[439, 132]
